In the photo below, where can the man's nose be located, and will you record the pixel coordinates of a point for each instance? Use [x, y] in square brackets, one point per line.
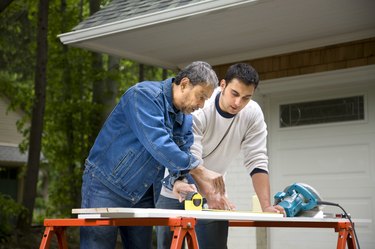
[237, 101]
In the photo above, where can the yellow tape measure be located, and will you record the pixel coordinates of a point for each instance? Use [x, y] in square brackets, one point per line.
[193, 201]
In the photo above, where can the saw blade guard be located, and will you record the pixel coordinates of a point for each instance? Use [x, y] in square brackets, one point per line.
[297, 197]
[310, 195]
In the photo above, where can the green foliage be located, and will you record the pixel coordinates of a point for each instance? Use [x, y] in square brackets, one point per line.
[10, 212]
[17, 39]
[69, 121]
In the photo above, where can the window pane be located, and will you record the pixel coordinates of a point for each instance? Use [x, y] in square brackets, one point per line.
[324, 111]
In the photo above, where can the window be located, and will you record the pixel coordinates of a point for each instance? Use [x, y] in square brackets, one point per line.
[323, 111]
[8, 173]
[9, 181]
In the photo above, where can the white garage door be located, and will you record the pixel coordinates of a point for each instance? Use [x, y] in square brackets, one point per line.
[319, 134]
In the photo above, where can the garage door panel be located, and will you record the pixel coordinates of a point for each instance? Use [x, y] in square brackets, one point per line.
[341, 160]
[314, 238]
[337, 159]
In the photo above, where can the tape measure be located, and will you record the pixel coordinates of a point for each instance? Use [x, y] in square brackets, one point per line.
[193, 201]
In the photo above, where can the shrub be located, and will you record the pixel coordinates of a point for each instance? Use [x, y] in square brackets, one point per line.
[10, 212]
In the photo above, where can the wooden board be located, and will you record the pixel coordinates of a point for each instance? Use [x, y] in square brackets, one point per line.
[95, 213]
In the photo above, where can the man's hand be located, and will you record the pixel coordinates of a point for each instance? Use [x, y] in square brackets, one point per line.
[211, 185]
[275, 209]
[208, 181]
[182, 188]
[217, 201]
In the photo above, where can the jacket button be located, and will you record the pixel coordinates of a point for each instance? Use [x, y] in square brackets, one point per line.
[146, 185]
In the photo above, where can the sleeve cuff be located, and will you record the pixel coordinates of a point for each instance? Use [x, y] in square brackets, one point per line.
[173, 176]
[257, 170]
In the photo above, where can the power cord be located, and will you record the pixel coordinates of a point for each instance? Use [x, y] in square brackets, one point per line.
[346, 215]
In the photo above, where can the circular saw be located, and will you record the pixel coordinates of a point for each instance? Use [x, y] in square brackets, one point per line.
[297, 198]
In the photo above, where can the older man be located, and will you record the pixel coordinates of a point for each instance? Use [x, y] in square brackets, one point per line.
[149, 130]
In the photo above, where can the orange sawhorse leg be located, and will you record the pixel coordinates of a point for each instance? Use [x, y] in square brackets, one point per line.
[186, 229]
[344, 229]
[47, 236]
[346, 236]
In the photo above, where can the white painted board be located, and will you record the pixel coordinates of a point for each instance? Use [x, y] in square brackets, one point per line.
[95, 213]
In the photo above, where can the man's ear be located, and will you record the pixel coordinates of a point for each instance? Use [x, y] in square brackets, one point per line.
[184, 82]
[223, 84]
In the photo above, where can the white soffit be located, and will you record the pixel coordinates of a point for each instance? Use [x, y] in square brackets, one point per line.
[221, 32]
[149, 20]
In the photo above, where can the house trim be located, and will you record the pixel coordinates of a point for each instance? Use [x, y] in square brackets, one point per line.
[149, 19]
[363, 75]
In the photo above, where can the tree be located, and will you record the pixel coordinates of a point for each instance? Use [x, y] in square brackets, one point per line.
[31, 178]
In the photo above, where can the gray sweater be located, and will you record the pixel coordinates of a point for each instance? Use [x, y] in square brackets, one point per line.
[219, 138]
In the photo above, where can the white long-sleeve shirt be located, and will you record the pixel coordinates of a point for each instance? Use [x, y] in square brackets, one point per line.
[219, 137]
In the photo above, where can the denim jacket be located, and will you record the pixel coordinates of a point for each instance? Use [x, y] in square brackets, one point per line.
[143, 134]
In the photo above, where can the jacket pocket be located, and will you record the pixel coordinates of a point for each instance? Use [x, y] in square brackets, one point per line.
[140, 172]
[124, 164]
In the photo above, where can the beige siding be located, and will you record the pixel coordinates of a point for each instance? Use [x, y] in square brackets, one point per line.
[8, 129]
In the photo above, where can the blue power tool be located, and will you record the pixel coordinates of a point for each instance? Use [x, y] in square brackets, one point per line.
[297, 198]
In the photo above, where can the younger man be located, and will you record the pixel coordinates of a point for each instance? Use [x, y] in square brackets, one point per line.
[230, 122]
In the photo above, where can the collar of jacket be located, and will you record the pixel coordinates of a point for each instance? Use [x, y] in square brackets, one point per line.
[167, 89]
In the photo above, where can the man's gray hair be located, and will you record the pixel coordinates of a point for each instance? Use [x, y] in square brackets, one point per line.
[198, 72]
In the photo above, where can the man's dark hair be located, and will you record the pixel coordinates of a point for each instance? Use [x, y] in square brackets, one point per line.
[244, 73]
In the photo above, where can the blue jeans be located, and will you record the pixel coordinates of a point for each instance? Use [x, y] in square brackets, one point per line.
[211, 234]
[95, 194]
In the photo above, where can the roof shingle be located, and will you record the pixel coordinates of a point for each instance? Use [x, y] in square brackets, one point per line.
[118, 10]
[12, 154]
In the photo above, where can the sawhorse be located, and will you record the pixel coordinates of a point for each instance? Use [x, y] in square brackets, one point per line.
[343, 228]
[184, 227]
[181, 227]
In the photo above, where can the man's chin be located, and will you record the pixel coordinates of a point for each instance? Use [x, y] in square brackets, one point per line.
[189, 110]
[233, 112]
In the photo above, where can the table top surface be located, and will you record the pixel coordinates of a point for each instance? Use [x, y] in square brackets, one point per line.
[97, 213]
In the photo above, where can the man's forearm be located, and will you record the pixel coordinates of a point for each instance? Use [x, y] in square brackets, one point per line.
[261, 185]
[197, 171]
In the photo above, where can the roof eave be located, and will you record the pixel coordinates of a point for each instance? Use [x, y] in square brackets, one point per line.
[150, 19]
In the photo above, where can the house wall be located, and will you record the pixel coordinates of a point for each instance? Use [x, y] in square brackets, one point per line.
[10, 138]
[322, 59]
[336, 158]
[327, 58]
[8, 129]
